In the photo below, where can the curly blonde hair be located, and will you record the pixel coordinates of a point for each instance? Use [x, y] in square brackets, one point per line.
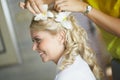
[76, 42]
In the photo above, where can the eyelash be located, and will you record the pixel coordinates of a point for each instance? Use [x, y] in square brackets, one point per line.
[37, 40]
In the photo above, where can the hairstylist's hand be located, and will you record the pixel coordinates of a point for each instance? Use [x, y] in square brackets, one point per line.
[70, 5]
[34, 6]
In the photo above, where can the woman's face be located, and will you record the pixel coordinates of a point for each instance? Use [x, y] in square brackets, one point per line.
[50, 47]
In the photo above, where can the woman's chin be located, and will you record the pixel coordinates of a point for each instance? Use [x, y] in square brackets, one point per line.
[45, 60]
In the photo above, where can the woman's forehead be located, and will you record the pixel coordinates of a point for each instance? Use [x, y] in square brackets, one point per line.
[40, 33]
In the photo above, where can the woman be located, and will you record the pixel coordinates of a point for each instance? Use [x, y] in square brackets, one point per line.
[57, 37]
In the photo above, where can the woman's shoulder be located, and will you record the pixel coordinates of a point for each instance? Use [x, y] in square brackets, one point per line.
[79, 70]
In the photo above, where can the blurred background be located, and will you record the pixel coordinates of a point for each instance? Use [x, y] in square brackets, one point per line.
[19, 62]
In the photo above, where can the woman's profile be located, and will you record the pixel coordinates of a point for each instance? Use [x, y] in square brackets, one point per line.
[57, 37]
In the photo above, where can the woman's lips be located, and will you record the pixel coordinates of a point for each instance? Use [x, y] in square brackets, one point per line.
[41, 54]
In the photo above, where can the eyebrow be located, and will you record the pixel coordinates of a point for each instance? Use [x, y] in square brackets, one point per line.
[36, 36]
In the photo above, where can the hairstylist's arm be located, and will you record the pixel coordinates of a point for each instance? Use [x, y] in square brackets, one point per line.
[109, 23]
[34, 6]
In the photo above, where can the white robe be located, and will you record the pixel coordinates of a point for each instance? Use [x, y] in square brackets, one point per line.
[79, 70]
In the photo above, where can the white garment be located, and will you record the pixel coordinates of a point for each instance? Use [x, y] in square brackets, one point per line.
[79, 70]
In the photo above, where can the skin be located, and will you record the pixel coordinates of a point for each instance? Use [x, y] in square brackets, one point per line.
[50, 47]
[108, 23]
[34, 6]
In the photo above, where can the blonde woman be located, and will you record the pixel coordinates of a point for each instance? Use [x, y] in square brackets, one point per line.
[57, 37]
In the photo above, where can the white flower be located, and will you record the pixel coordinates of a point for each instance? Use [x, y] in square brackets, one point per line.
[50, 14]
[43, 16]
[40, 17]
[62, 18]
[67, 24]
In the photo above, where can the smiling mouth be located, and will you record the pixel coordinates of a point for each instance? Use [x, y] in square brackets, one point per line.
[42, 54]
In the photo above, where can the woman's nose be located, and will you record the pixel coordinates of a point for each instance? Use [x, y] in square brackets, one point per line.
[34, 47]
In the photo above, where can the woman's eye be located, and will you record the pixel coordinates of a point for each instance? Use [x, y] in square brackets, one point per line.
[37, 40]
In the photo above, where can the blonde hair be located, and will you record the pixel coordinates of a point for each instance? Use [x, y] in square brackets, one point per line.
[76, 42]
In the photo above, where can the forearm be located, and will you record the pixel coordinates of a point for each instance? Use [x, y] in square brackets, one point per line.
[109, 23]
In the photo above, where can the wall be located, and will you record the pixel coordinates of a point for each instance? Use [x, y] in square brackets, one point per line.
[31, 67]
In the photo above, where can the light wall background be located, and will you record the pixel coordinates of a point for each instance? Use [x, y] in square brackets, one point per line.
[31, 66]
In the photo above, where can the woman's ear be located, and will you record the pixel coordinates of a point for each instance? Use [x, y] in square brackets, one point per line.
[61, 36]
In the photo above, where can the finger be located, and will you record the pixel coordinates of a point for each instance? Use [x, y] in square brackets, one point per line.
[34, 6]
[22, 5]
[60, 7]
[30, 8]
[57, 2]
[63, 8]
[39, 5]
